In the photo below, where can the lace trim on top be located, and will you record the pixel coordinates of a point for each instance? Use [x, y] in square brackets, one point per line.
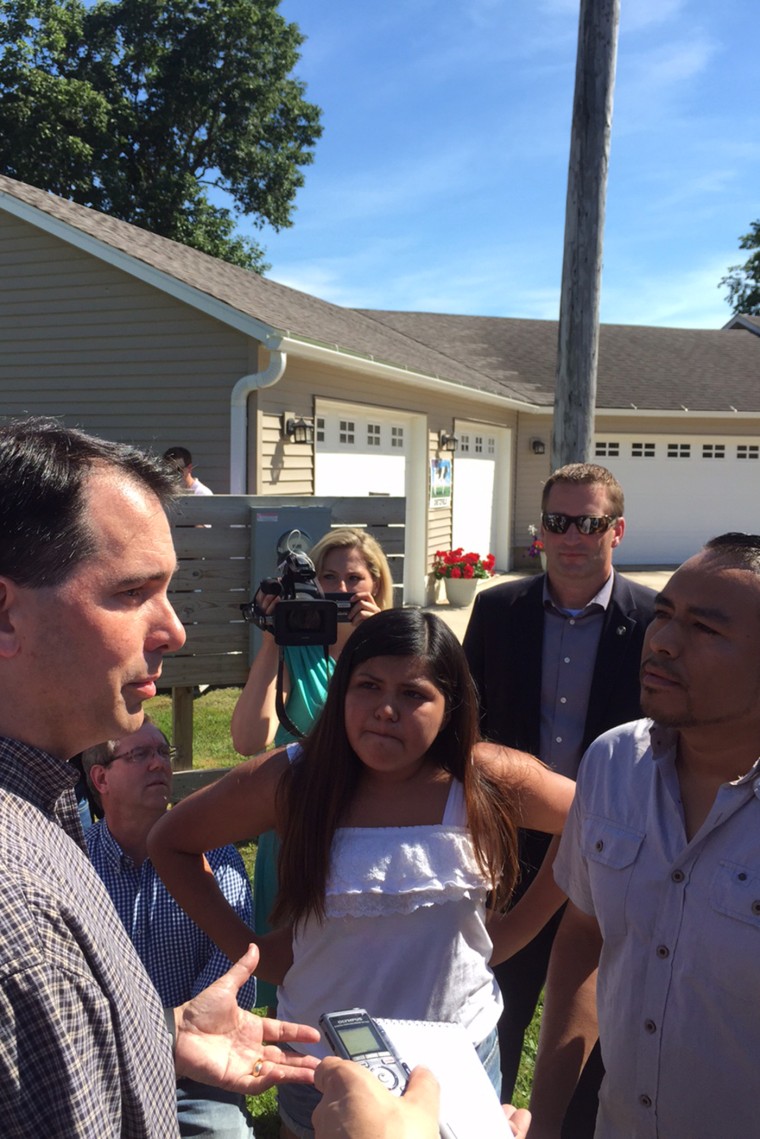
[390, 870]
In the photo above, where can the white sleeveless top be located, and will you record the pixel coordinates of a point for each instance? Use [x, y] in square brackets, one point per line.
[404, 934]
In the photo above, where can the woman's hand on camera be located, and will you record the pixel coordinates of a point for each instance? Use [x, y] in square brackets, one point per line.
[363, 605]
[266, 601]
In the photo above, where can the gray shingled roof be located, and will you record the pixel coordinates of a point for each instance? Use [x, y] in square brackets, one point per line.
[653, 368]
[286, 310]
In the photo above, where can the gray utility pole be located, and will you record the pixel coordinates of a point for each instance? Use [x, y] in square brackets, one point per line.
[578, 346]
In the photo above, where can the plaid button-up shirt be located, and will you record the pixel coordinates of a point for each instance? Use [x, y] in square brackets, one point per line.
[84, 1049]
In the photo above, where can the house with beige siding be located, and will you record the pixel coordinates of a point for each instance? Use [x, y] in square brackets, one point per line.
[141, 339]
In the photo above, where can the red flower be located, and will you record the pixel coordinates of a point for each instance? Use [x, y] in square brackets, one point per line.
[468, 570]
[455, 571]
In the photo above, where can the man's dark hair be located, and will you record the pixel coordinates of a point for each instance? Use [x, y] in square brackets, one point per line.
[44, 469]
[180, 456]
[742, 551]
[587, 474]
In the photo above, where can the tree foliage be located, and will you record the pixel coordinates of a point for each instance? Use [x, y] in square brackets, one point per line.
[743, 281]
[138, 107]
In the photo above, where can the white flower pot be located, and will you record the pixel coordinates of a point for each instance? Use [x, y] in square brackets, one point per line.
[460, 591]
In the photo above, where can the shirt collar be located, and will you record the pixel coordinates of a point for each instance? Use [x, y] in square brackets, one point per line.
[111, 851]
[44, 781]
[665, 741]
[34, 775]
[600, 600]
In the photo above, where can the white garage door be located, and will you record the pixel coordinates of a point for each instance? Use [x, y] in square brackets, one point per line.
[681, 490]
[361, 452]
[481, 519]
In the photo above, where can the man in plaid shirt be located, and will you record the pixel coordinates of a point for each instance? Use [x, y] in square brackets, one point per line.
[86, 557]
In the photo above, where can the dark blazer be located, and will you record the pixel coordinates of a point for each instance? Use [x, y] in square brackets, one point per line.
[503, 647]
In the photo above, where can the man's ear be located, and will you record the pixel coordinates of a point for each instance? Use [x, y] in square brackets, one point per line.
[619, 528]
[9, 597]
[99, 778]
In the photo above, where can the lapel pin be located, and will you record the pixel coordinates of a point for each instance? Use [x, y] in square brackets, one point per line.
[621, 630]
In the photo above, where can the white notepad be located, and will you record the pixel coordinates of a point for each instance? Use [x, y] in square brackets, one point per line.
[470, 1107]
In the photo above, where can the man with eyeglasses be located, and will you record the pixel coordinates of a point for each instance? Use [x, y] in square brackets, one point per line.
[555, 659]
[131, 779]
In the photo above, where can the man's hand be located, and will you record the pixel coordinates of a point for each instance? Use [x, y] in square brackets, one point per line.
[355, 1105]
[219, 1043]
[519, 1118]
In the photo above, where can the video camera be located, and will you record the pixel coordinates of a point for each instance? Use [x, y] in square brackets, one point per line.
[304, 615]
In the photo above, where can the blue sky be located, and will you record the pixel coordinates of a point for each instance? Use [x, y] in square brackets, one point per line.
[439, 183]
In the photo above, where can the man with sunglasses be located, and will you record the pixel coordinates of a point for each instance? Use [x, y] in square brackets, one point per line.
[555, 659]
[131, 780]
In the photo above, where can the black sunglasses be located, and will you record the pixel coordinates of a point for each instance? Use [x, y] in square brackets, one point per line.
[584, 523]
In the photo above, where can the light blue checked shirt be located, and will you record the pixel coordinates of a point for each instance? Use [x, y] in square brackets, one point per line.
[180, 959]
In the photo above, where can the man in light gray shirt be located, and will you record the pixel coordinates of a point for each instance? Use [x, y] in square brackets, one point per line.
[556, 661]
[661, 861]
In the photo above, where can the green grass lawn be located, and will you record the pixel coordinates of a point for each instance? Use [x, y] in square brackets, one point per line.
[212, 747]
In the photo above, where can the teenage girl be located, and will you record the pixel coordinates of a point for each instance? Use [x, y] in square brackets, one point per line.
[346, 561]
[395, 824]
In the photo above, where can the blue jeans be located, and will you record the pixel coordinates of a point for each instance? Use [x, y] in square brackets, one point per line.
[297, 1101]
[204, 1112]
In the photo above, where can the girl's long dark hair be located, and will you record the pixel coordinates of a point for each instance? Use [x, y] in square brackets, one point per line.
[316, 792]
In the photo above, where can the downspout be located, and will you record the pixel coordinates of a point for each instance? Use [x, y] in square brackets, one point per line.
[239, 416]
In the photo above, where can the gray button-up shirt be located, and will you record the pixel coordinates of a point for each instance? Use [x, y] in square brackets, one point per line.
[568, 655]
[679, 977]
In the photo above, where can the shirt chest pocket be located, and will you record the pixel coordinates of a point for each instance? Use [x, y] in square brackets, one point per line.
[736, 893]
[610, 851]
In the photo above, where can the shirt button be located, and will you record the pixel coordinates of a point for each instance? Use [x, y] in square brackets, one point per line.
[645, 1101]
[572, 621]
[663, 951]
[678, 876]
[558, 740]
[563, 699]
[567, 660]
[650, 1026]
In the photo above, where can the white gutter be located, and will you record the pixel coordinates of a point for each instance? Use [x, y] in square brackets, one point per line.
[637, 413]
[369, 366]
[239, 416]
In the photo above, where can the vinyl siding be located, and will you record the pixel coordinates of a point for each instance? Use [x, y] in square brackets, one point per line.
[106, 352]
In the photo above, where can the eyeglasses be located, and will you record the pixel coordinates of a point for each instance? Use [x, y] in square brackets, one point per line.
[144, 754]
[584, 523]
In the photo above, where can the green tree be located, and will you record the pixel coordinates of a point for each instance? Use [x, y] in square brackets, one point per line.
[139, 107]
[743, 281]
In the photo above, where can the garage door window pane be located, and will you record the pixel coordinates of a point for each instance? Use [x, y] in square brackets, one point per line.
[642, 450]
[607, 451]
[713, 451]
[748, 451]
[464, 443]
[320, 430]
[373, 434]
[347, 431]
[397, 436]
[679, 450]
